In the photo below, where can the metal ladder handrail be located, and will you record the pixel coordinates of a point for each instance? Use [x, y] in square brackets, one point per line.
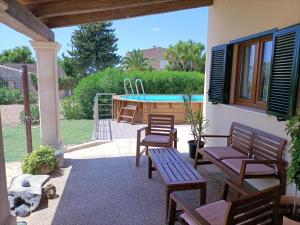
[126, 79]
[141, 84]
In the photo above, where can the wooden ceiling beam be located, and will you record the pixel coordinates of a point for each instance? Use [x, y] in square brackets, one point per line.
[73, 7]
[114, 14]
[14, 15]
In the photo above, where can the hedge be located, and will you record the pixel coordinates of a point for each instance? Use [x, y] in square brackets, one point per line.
[155, 82]
[15, 96]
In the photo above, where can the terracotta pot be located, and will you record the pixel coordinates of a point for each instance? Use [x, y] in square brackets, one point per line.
[44, 170]
[289, 200]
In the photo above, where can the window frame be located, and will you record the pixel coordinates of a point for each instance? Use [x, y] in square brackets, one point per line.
[256, 80]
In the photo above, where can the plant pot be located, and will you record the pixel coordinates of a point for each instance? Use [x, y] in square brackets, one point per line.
[286, 207]
[193, 147]
[45, 170]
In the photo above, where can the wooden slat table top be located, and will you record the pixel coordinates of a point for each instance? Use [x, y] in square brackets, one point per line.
[173, 169]
[164, 155]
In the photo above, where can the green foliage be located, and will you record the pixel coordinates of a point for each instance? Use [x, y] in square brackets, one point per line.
[196, 119]
[186, 56]
[135, 61]
[68, 65]
[10, 96]
[33, 78]
[67, 83]
[94, 47]
[35, 115]
[293, 172]
[17, 55]
[72, 108]
[39, 158]
[155, 82]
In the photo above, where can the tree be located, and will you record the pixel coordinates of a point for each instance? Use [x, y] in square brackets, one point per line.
[94, 47]
[17, 55]
[68, 65]
[136, 61]
[186, 56]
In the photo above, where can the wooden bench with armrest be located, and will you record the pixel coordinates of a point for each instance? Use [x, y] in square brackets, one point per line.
[250, 209]
[250, 153]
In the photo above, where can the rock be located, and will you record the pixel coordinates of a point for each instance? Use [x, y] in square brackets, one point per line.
[59, 154]
[22, 210]
[25, 183]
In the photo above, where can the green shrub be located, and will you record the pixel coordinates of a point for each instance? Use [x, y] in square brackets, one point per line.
[10, 96]
[41, 161]
[67, 83]
[35, 115]
[33, 98]
[72, 108]
[155, 82]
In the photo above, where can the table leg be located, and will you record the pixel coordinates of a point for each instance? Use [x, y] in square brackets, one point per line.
[203, 194]
[149, 167]
[168, 192]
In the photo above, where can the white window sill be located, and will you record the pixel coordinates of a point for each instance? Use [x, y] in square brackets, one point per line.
[260, 112]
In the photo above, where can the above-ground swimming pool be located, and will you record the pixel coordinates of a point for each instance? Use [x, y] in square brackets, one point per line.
[156, 104]
[160, 98]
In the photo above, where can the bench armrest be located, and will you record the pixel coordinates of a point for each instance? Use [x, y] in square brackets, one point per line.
[142, 129]
[175, 200]
[256, 161]
[139, 131]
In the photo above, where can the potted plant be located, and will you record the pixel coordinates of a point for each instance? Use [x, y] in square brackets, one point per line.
[291, 205]
[41, 161]
[198, 125]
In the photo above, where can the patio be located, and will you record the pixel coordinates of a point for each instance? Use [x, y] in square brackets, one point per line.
[102, 184]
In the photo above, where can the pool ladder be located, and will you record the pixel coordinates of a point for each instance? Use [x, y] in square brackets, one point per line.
[128, 110]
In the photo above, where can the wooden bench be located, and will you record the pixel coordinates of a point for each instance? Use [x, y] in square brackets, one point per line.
[250, 153]
[177, 175]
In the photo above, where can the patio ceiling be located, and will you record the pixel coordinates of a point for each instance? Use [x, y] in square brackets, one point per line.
[61, 13]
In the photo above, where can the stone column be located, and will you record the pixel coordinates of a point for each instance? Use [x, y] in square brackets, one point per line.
[47, 74]
[5, 217]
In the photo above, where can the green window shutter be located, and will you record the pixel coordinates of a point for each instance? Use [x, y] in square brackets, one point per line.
[220, 73]
[284, 73]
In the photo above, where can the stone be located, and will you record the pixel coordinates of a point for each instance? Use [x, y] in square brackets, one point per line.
[25, 183]
[59, 154]
[22, 211]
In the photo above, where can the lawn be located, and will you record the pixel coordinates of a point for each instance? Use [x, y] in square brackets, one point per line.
[72, 132]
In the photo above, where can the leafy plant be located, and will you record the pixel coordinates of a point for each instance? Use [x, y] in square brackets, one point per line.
[67, 83]
[35, 115]
[293, 171]
[10, 96]
[72, 108]
[41, 158]
[196, 119]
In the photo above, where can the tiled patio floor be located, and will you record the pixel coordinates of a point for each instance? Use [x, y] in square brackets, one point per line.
[102, 186]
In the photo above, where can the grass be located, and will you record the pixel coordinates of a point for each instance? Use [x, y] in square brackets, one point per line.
[72, 132]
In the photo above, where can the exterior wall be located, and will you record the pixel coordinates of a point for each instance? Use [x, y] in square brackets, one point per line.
[232, 19]
[156, 57]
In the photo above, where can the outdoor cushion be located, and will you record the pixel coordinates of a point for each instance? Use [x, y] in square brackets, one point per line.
[215, 213]
[251, 169]
[160, 139]
[224, 153]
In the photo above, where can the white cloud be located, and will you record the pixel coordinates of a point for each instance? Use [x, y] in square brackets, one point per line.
[155, 29]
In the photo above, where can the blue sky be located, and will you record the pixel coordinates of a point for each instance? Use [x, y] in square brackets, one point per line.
[140, 32]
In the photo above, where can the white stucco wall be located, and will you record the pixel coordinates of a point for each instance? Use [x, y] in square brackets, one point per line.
[232, 19]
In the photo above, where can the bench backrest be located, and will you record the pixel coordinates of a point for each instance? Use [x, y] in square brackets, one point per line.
[160, 124]
[241, 137]
[267, 146]
[256, 143]
[258, 208]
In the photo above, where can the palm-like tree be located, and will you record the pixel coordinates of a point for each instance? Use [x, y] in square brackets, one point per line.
[135, 61]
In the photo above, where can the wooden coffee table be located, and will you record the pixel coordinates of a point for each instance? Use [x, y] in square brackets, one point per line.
[176, 174]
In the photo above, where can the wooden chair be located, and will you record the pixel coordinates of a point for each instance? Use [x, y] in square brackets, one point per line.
[160, 132]
[250, 209]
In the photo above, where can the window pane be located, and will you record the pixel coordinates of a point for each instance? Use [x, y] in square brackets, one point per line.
[247, 71]
[265, 70]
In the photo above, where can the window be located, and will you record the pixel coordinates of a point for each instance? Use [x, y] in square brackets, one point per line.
[253, 72]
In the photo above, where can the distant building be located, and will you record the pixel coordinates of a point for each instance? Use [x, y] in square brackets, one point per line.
[156, 57]
[10, 75]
